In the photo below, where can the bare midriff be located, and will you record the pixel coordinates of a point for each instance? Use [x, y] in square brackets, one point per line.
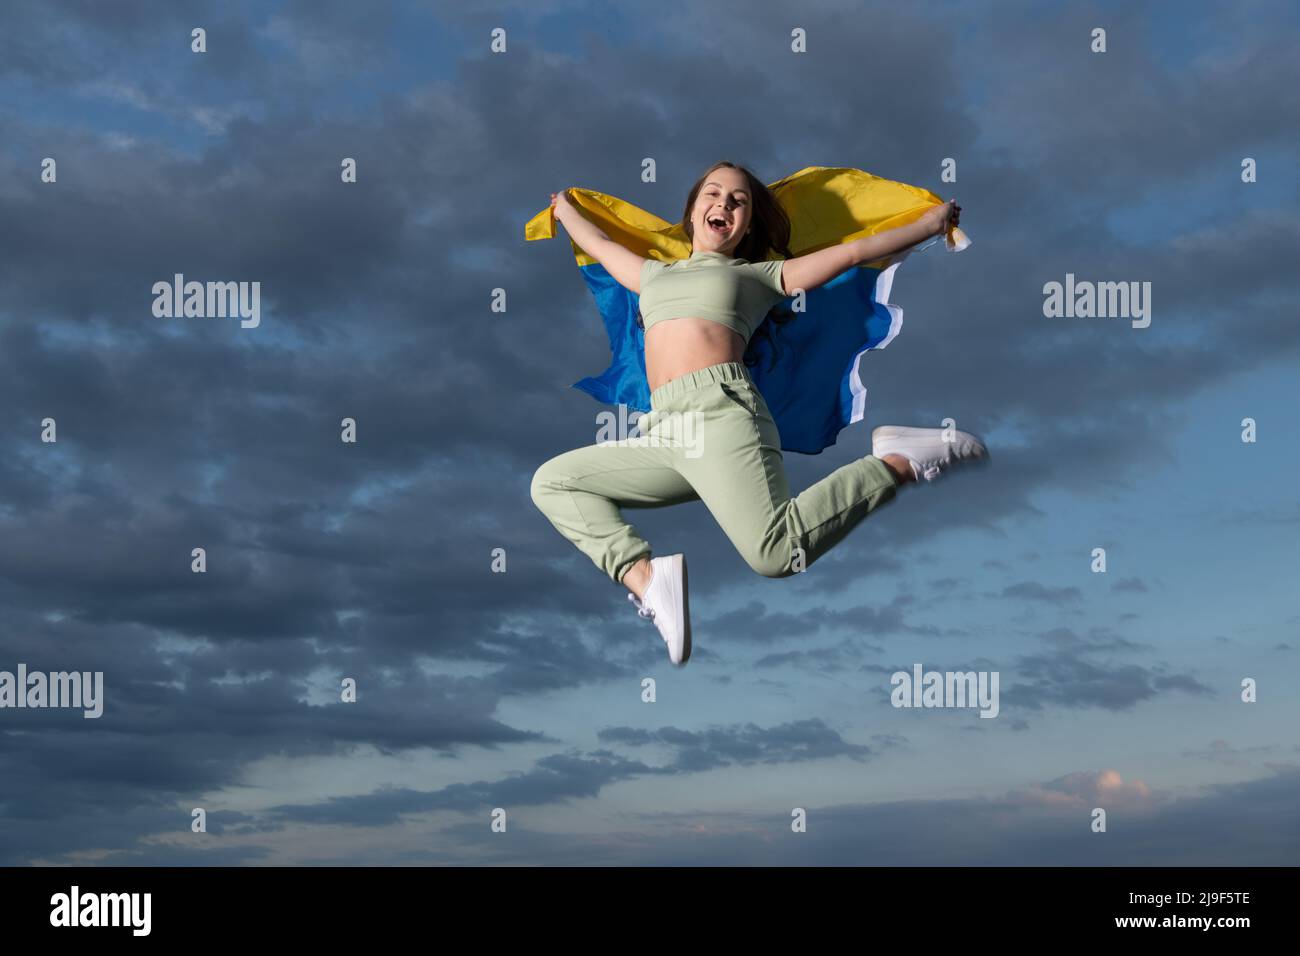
[676, 347]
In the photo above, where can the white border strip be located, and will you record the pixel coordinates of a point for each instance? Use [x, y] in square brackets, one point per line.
[884, 287]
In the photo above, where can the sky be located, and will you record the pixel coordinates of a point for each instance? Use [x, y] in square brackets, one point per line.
[521, 691]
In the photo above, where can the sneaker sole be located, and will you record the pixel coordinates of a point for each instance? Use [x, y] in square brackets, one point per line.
[686, 615]
[887, 432]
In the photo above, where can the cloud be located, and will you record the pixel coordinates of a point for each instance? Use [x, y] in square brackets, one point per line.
[1065, 679]
[756, 623]
[1129, 584]
[793, 742]
[1223, 752]
[1048, 824]
[1033, 591]
[1088, 788]
[557, 778]
[563, 777]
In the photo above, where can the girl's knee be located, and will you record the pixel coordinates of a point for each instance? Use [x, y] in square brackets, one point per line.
[546, 479]
[772, 563]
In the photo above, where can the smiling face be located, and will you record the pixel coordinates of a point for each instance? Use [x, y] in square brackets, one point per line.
[722, 212]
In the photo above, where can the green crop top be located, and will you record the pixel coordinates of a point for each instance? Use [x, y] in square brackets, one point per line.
[710, 285]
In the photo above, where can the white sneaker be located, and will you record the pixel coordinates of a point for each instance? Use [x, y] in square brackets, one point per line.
[667, 606]
[925, 448]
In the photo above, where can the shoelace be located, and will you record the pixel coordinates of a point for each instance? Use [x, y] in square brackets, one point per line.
[932, 468]
[646, 612]
[925, 470]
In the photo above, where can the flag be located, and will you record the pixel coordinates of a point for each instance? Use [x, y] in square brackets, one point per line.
[812, 380]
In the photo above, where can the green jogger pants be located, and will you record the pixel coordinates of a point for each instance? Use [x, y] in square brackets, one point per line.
[709, 436]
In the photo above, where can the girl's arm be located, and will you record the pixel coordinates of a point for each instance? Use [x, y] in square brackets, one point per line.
[621, 263]
[818, 268]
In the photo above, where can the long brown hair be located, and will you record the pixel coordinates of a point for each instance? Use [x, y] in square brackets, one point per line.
[769, 231]
[769, 228]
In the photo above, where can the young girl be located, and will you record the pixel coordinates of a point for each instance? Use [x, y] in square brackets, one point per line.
[709, 435]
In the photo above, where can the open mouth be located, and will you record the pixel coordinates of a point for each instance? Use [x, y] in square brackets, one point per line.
[718, 224]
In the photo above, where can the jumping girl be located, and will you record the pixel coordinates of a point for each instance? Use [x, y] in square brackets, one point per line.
[709, 435]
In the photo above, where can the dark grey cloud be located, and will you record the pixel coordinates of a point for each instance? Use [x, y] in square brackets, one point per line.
[1075, 671]
[946, 583]
[1067, 680]
[564, 777]
[1238, 516]
[1240, 824]
[559, 777]
[1089, 671]
[825, 659]
[756, 623]
[1097, 639]
[1130, 584]
[792, 742]
[1225, 752]
[1036, 591]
